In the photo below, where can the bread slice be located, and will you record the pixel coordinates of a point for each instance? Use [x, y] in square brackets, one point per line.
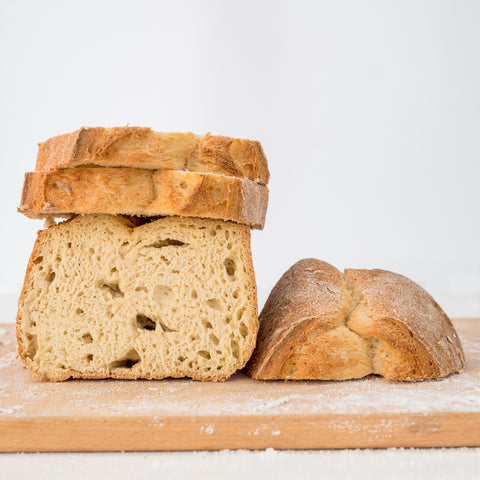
[320, 324]
[134, 191]
[102, 297]
[140, 147]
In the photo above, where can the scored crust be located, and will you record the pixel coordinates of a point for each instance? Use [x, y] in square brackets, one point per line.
[320, 324]
[133, 191]
[141, 147]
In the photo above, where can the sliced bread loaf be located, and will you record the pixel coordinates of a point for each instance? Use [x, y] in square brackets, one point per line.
[141, 147]
[106, 297]
[135, 191]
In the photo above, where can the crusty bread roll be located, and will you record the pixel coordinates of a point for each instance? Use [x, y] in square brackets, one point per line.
[141, 147]
[144, 192]
[105, 296]
[321, 324]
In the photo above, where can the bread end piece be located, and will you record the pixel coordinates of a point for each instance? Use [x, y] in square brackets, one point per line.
[320, 324]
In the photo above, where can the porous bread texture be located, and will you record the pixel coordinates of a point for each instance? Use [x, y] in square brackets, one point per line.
[320, 324]
[141, 147]
[135, 191]
[106, 297]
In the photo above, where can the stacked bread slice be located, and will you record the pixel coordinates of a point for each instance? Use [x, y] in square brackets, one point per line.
[151, 276]
[148, 173]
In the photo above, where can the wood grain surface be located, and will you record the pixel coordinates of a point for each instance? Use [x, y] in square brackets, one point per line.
[112, 415]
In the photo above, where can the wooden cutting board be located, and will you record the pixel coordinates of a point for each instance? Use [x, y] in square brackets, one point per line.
[107, 415]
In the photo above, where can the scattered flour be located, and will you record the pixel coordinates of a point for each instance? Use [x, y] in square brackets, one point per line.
[157, 401]
[208, 429]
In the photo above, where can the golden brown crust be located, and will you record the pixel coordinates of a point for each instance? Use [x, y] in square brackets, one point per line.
[405, 316]
[20, 335]
[133, 191]
[140, 147]
[309, 295]
[320, 324]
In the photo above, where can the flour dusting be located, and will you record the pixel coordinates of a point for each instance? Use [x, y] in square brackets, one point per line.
[158, 400]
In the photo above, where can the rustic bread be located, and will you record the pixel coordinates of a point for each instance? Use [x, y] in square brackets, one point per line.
[140, 147]
[134, 191]
[320, 324]
[104, 297]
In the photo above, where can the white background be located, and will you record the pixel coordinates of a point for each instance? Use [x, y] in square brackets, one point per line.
[368, 111]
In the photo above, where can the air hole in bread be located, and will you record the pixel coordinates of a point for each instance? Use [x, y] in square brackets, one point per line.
[91, 251]
[229, 245]
[163, 295]
[87, 337]
[235, 294]
[205, 354]
[166, 328]
[228, 320]
[167, 242]
[38, 260]
[111, 288]
[183, 185]
[89, 358]
[165, 259]
[194, 294]
[79, 311]
[113, 270]
[240, 313]
[214, 339]
[130, 359]
[235, 349]
[141, 289]
[215, 304]
[69, 245]
[50, 276]
[145, 323]
[212, 232]
[32, 347]
[243, 330]
[230, 266]
[207, 324]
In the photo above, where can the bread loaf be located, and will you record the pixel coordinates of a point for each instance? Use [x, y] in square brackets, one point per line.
[134, 191]
[106, 297]
[140, 147]
[321, 324]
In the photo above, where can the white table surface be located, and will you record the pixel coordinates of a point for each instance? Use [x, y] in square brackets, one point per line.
[449, 464]
[434, 463]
